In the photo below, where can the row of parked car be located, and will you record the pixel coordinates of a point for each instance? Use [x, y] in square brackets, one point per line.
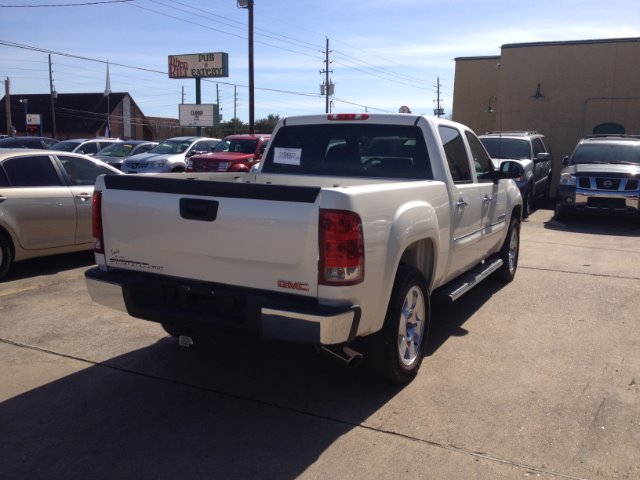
[178, 154]
[602, 175]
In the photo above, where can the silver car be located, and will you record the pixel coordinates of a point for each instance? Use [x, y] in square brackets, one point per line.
[170, 155]
[88, 146]
[45, 203]
[117, 153]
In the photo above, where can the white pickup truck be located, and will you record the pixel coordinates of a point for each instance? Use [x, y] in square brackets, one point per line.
[340, 239]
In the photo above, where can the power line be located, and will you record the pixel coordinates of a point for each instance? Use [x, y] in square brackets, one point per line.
[83, 4]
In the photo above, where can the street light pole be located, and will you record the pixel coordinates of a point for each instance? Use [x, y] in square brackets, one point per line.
[248, 4]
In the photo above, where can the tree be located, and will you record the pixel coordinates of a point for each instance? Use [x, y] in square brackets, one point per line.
[266, 125]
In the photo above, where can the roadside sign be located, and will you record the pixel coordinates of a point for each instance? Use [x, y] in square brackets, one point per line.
[34, 119]
[203, 115]
[199, 65]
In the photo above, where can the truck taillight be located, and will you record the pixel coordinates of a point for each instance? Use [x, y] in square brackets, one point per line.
[348, 116]
[96, 222]
[341, 248]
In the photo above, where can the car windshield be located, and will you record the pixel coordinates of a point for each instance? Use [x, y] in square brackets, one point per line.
[628, 154]
[500, 147]
[240, 146]
[171, 146]
[116, 150]
[66, 146]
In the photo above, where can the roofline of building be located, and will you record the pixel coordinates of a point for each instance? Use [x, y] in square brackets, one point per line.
[550, 44]
[488, 57]
[571, 42]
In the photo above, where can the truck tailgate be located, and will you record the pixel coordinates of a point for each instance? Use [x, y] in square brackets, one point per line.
[249, 235]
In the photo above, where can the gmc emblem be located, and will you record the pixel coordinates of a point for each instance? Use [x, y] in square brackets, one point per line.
[301, 286]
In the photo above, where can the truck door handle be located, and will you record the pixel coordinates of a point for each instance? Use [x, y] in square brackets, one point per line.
[2, 199]
[197, 209]
[461, 203]
[83, 197]
[486, 199]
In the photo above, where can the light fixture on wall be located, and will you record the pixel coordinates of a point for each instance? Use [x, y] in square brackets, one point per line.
[538, 93]
[490, 108]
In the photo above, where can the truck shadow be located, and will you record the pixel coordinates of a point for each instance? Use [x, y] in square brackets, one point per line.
[242, 410]
[447, 320]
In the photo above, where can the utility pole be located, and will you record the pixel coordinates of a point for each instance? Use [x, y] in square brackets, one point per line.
[235, 106]
[182, 128]
[327, 87]
[53, 95]
[219, 109]
[438, 111]
[7, 106]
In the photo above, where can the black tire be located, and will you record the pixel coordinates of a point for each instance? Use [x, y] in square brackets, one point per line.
[6, 255]
[394, 353]
[510, 252]
[172, 329]
[559, 214]
[527, 202]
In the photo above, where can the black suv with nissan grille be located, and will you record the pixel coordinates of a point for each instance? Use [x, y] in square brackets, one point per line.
[601, 176]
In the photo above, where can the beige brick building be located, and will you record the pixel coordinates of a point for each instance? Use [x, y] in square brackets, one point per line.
[565, 90]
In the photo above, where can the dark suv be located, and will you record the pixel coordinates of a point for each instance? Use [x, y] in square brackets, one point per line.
[532, 151]
[601, 176]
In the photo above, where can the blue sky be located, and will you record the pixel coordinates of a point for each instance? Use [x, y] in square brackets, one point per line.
[384, 53]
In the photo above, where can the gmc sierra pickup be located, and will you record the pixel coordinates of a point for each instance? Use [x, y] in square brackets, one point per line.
[352, 223]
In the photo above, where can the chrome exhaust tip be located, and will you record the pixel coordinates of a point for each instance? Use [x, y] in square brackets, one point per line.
[342, 353]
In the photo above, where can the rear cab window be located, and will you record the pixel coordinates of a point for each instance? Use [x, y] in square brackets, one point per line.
[351, 150]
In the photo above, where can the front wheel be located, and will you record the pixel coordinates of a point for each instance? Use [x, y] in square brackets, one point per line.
[395, 353]
[5, 255]
[509, 252]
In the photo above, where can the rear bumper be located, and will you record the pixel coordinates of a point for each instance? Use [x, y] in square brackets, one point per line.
[190, 305]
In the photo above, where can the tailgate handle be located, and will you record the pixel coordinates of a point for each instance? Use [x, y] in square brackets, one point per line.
[196, 209]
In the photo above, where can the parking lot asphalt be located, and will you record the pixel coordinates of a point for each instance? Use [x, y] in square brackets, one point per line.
[534, 379]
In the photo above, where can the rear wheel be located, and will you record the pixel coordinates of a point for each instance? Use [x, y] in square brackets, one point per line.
[509, 252]
[396, 352]
[6, 258]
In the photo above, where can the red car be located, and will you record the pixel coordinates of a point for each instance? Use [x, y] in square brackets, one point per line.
[235, 153]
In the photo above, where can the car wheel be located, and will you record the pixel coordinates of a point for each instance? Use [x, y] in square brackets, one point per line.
[396, 352]
[172, 329]
[559, 214]
[527, 206]
[510, 252]
[6, 256]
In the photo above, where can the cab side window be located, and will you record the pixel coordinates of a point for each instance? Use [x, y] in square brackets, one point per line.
[481, 160]
[36, 171]
[456, 154]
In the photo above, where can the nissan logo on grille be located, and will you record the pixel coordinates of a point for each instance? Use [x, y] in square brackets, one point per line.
[607, 184]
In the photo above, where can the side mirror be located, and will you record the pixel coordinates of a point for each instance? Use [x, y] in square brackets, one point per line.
[511, 169]
[543, 156]
[565, 160]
